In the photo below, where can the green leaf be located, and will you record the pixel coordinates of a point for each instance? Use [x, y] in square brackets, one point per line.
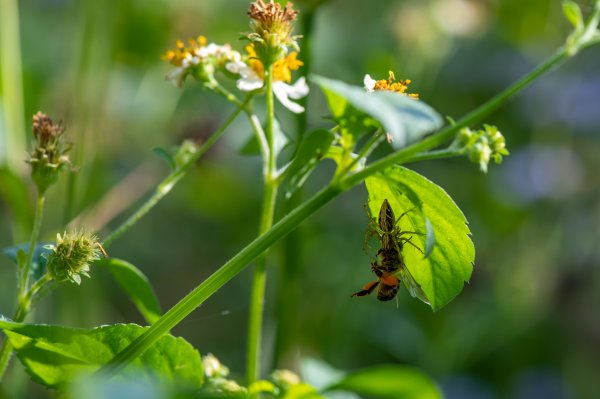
[136, 285]
[312, 149]
[406, 119]
[443, 273]
[573, 14]
[390, 381]
[38, 262]
[166, 156]
[55, 355]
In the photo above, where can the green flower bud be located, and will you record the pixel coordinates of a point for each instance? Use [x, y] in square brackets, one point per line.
[213, 367]
[285, 378]
[481, 145]
[71, 256]
[48, 157]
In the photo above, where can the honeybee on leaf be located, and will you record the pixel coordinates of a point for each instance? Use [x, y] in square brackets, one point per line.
[389, 266]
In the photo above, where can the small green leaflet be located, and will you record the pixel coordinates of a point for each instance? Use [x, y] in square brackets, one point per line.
[405, 119]
[38, 261]
[449, 263]
[312, 149]
[55, 355]
[136, 285]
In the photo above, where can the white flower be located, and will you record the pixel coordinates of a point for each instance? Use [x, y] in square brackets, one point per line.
[249, 80]
[284, 92]
[369, 83]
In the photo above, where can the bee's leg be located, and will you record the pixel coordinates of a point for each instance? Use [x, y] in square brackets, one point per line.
[376, 269]
[367, 289]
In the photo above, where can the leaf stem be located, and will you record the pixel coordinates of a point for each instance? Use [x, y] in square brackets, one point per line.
[20, 314]
[164, 187]
[436, 154]
[266, 221]
[35, 232]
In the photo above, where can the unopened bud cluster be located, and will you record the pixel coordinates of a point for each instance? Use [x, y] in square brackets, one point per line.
[49, 156]
[482, 145]
[218, 385]
[216, 377]
[71, 256]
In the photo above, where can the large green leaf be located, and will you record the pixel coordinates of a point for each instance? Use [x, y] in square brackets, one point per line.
[449, 263]
[390, 381]
[136, 285]
[405, 119]
[312, 149]
[54, 355]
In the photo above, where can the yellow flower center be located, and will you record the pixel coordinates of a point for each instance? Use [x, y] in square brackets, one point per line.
[390, 84]
[182, 52]
[282, 68]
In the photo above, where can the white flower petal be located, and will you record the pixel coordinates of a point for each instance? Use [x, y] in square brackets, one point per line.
[369, 83]
[249, 84]
[176, 76]
[281, 91]
[298, 89]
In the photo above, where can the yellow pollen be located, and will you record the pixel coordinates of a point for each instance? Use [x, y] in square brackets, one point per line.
[282, 68]
[181, 52]
[390, 84]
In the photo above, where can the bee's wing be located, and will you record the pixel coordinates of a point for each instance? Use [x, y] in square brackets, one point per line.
[411, 285]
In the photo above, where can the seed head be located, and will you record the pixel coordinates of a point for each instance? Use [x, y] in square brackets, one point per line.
[49, 156]
[272, 29]
[71, 256]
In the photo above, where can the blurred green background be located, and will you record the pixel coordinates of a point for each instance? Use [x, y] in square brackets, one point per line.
[527, 324]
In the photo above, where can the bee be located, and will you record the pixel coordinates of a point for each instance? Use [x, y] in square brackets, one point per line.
[389, 266]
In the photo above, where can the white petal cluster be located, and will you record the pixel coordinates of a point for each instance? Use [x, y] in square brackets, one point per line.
[249, 80]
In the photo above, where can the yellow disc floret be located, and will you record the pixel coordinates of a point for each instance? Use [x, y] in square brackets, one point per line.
[397, 86]
[282, 68]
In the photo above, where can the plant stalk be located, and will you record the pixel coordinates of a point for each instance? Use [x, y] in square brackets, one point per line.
[35, 232]
[266, 221]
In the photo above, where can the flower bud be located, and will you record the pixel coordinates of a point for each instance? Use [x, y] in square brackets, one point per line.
[48, 157]
[285, 378]
[213, 367]
[71, 256]
[482, 145]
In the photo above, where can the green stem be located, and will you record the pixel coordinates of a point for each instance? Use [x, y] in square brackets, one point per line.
[35, 232]
[290, 221]
[266, 221]
[172, 179]
[257, 299]
[375, 139]
[437, 154]
[20, 314]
